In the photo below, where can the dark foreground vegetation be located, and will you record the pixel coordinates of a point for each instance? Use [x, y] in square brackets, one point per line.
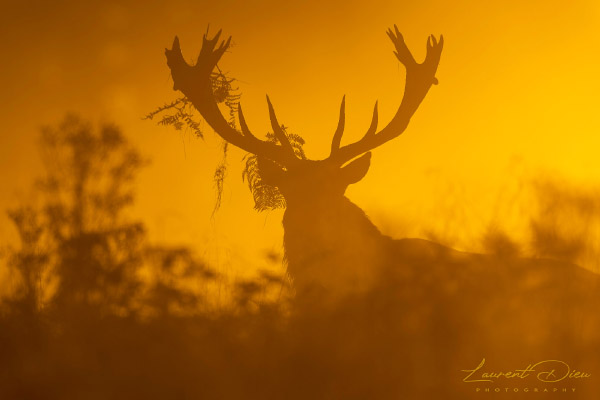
[92, 310]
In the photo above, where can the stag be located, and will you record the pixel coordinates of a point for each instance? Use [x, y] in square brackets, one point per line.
[330, 244]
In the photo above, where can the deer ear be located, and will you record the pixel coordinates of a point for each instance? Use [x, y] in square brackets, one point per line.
[270, 173]
[357, 169]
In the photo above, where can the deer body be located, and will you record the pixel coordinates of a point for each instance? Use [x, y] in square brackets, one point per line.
[332, 245]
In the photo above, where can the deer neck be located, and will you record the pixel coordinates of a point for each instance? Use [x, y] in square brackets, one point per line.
[331, 243]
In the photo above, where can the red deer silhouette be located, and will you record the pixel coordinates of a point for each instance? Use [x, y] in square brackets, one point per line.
[329, 241]
[331, 246]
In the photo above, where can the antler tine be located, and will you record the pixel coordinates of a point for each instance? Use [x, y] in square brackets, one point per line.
[243, 125]
[335, 145]
[339, 132]
[373, 127]
[402, 52]
[216, 38]
[279, 133]
[175, 60]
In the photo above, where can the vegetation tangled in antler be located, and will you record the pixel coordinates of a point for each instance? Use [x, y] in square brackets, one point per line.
[181, 114]
[267, 197]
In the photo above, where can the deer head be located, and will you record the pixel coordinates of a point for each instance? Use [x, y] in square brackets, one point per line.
[279, 166]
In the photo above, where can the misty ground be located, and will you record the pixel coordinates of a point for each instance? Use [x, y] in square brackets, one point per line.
[92, 310]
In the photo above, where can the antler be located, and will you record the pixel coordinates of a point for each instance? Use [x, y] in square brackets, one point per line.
[195, 83]
[419, 78]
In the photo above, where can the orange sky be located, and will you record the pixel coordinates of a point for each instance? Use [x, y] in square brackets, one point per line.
[517, 95]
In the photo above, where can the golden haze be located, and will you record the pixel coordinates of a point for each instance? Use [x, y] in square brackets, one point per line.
[517, 95]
